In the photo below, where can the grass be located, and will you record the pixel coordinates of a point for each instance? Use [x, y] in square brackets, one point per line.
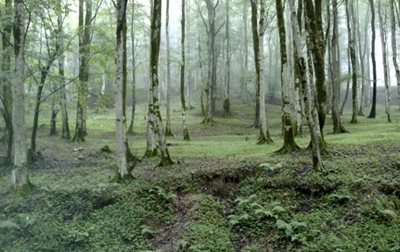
[216, 197]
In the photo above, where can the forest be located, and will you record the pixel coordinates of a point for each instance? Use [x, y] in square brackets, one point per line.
[199, 125]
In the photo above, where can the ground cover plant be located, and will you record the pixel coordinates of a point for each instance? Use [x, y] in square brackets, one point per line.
[239, 197]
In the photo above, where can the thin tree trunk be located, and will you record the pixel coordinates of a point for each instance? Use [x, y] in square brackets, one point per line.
[352, 43]
[227, 104]
[168, 131]
[256, 47]
[133, 45]
[289, 144]
[347, 83]
[20, 174]
[394, 46]
[372, 113]
[382, 25]
[186, 136]
[335, 72]
[122, 146]
[154, 58]
[245, 65]
[265, 136]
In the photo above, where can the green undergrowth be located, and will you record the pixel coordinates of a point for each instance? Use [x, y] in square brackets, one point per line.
[224, 192]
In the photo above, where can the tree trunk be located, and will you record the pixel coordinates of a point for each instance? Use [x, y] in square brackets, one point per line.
[122, 146]
[157, 125]
[382, 24]
[168, 131]
[308, 94]
[65, 133]
[352, 43]
[315, 32]
[289, 144]
[84, 54]
[335, 72]
[6, 85]
[347, 82]
[245, 65]
[256, 47]
[372, 113]
[394, 45]
[212, 66]
[133, 37]
[186, 136]
[227, 104]
[20, 175]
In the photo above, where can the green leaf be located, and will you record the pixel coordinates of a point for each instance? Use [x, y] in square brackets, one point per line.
[265, 212]
[279, 209]
[282, 225]
[7, 224]
[388, 213]
[270, 166]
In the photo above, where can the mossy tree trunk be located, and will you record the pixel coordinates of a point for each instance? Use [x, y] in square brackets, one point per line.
[185, 129]
[307, 90]
[84, 55]
[289, 143]
[316, 44]
[122, 146]
[20, 175]
[157, 125]
[6, 84]
[258, 33]
[256, 48]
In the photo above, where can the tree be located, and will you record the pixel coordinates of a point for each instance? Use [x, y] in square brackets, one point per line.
[6, 87]
[351, 29]
[156, 124]
[124, 155]
[256, 47]
[212, 31]
[307, 89]
[372, 113]
[133, 55]
[258, 44]
[227, 105]
[382, 13]
[65, 132]
[186, 136]
[335, 72]
[20, 175]
[394, 44]
[84, 55]
[289, 143]
[168, 131]
[316, 46]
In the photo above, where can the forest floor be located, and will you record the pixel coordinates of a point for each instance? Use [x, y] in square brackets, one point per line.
[224, 192]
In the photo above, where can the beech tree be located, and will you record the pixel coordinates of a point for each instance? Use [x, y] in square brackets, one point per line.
[289, 143]
[6, 86]
[124, 156]
[259, 28]
[156, 124]
[186, 136]
[20, 175]
[168, 131]
[394, 44]
[372, 113]
[85, 22]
